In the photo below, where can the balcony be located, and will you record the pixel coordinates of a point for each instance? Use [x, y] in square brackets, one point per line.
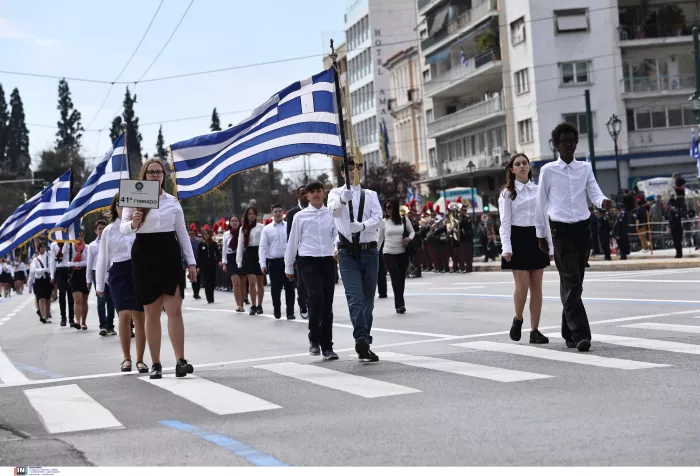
[655, 22]
[652, 85]
[469, 116]
[452, 82]
[460, 24]
[425, 5]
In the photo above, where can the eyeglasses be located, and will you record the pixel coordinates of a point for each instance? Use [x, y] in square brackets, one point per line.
[154, 173]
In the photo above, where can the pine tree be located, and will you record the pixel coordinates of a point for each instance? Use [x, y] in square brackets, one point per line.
[133, 137]
[215, 123]
[161, 153]
[4, 118]
[17, 137]
[69, 127]
[115, 129]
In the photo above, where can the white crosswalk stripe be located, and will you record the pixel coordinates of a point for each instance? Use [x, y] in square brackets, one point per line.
[68, 408]
[212, 396]
[649, 344]
[548, 354]
[354, 384]
[462, 368]
[660, 326]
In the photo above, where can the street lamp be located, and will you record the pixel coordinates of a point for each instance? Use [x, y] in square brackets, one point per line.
[470, 169]
[443, 186]
[695, 106]
[614, 125]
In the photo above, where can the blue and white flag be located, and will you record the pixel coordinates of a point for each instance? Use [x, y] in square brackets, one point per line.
[300, 119]
[462, 57]
[38, 214]
[409, 194]
[694, 153]
[99, 189]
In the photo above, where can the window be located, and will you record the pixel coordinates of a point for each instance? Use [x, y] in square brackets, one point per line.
[429, 115]
[643, 118]
[426, 76]
[579, 120]
[522, 82]
[525, 131]
[675, 116]
[660, 117]
[576, 72]
[517, 31]
[571, 21]
[431, 155]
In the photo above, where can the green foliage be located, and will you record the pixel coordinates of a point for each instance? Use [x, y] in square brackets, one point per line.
[18, 159]
[133, 136]
[390, 179]
[70, 129]
[215, 122]
[4, 118]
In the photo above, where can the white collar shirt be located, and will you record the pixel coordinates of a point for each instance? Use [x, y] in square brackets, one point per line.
[253, 240]
[371, 216]
[313, 234]
[563, 189]
[273, 242]
[520, 212]
[115, 247]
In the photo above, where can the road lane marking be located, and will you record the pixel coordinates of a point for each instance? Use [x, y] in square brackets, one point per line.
[8, 372]
[548, 354]
[557, 298]
[68, 408]
[462, 368]
[659, 326]
[348, 383]
[211, 396]
[649, 344]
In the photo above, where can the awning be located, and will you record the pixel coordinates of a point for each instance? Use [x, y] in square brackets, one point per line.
[439, 21]
[440, 55]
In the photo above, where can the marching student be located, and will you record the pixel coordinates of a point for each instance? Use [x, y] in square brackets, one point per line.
[396, 233]
[6, 276]
[521, 252]
[301, 289]
[40, 282]
[564, 186]
[247, 257]
[311, 244]
[156, 258]
[228, 259]
[197, 284]
[273, 244]
[78, 280]
[105, 307]
[60, 277]
[20, 275]
[359, 272]
[207, 262]
[114, 275]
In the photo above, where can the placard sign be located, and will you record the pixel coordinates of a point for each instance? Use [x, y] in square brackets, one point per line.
[139, 193]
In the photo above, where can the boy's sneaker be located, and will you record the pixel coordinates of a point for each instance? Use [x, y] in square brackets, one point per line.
[103, 332]
[314, 349]
[536, 337]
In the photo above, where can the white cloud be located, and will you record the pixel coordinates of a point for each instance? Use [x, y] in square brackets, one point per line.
[9, 31]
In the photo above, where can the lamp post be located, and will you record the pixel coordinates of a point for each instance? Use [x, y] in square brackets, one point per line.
[505, 157]
[470, 169]
[695, 98]
[614, 125]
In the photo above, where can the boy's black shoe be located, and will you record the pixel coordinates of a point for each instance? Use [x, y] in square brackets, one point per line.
[253, 310]
[314, 349]
[536, 337]
[329, 355]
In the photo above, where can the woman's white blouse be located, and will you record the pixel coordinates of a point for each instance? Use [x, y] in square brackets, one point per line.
[168, 217]
[519, 212]
[391, 235]
[115, 247]
[253, 240]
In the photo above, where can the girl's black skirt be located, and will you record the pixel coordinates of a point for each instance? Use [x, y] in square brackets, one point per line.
[121, 287]
[78, 281]
[527, 255]
[20, 276]
[5, 278]
[157, 266]
[251, 264]
[232, 268]
[43, 288]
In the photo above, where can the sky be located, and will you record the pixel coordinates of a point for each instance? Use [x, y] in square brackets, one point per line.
[94, 40]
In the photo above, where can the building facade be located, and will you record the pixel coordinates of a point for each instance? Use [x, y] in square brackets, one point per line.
[375, 30]
[342, 60]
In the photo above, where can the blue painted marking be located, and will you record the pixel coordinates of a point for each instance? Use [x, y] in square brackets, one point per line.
[481, 296]
[236, 447]
[38, 371]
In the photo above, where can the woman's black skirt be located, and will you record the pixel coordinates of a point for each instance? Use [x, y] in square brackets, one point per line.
[78, 281]
[20, 276]
[232, 268]
[251, 264]
[121, 287]
[157, 266]
[5, 278]
[43, 288]
[527, 255]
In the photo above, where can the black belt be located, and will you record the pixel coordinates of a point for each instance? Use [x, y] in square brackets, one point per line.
[363, 246]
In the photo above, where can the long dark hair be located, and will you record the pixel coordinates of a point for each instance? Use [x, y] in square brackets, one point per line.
[248, 226]
[113, 213]
[234, 233]
[394, 214]
[510, 176]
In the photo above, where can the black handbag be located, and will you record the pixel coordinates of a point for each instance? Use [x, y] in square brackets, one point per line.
[412, 245]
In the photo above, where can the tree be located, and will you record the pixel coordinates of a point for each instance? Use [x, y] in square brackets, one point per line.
[69, 127]
[4, 118]
[215, 123]
[161, 153]
[391, 179]
[115, 129]
[133, 137]
[17, 137]
[55, 162]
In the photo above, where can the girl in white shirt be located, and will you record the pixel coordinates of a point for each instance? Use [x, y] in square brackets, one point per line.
[20, 275]
[115, 255]
[5, 277]
[228, 259]
[396, 234]
[521, 251]
[78, 281]
[40, 282]
[159, 278]
[247, 257]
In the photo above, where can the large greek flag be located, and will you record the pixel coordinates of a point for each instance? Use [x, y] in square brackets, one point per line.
[38, 214]
[100, 187]
[300, 119]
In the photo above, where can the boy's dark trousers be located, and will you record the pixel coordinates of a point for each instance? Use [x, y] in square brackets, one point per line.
[318, 274]
[572, 245]
[278, 280]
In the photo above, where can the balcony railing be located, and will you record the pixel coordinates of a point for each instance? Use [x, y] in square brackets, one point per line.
[653, 84]
[466, 116]
[460, 22]
[459, 72]
[653, 30]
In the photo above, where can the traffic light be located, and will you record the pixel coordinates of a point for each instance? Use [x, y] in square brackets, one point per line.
[485, 203]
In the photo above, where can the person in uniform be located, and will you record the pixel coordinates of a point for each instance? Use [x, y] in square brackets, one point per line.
[675, 228]
[207, 262]
[105, 306]
[161, 241]
[20, 275]
[40, 282]
[228, 259]
[114, 271]
[273, 244]
[603, 233]
[466, 241]
[78, 281]
[247, 257]
[6, 276]
[301, 290]
[621, 231]
[61, 255]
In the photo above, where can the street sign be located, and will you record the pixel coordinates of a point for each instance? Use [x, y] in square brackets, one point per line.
[139, 193]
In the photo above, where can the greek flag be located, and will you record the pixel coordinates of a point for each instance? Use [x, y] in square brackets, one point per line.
[409, 194]
[99, 189]
[38, 214]
[300, 119]
[462, 57]
[384, 140]
[694, 153]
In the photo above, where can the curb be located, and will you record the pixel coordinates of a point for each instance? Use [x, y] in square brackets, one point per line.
[628, 265]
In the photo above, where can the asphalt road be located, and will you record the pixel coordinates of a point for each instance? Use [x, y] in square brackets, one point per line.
[450, 389]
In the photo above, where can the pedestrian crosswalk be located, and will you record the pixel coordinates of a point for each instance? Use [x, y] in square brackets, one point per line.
[69, 408]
